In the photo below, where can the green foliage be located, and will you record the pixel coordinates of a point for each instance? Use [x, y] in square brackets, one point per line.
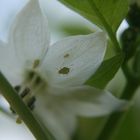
[100, 11]
[133, 16]
[129, 128]
[136, 64]
[74, 29]
[106, 72]
[89, 128]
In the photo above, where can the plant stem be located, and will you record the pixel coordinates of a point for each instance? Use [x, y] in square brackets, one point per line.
[107, 27]
[129, 90]
[22, 110]
[115, 118]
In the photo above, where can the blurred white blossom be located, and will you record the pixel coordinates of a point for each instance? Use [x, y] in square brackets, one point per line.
[50, 79]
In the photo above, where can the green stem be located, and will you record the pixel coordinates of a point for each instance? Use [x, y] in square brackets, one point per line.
[114, 119]
[22, 110]
[107, 27]
[129, 90]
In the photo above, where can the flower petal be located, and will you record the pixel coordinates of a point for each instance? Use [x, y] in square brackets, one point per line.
[9, 65]
[29, 34]
[58, 121]
[73, 60]
[88, 101]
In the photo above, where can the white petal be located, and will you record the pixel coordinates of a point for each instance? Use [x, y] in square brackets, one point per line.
[29, 34]
[73, 60]
[88, 101]
[58, 121]
[9, 64]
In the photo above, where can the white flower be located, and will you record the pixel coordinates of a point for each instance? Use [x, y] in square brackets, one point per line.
[55, 75]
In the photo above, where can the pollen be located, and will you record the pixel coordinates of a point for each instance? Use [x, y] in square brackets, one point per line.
[64, 70]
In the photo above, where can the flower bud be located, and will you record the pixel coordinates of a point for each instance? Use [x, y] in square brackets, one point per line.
[128, 39]
[134, 2]
[133, 16]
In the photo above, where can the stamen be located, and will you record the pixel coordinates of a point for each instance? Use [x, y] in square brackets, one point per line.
[18, 120]
[17, 88]
[25, 92]
[32, 85]
[27, 97]
[31, 102]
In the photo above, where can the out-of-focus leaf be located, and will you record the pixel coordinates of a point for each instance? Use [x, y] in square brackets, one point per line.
[106, 72]
[100, 11]
[129, 128]
[89, 128]
[75, 29]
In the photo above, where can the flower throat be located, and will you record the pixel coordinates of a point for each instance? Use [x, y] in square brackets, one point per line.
[33, 85]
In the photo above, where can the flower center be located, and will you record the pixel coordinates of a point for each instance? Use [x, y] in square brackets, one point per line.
[33, 84]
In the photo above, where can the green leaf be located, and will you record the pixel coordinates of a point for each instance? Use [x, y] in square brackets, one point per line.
[74, 29]
[106, 72]
[100, 11]
[86, 126]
